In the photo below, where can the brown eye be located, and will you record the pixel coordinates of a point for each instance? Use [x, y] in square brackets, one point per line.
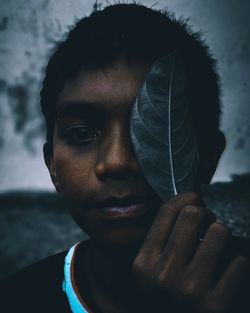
[80, 135]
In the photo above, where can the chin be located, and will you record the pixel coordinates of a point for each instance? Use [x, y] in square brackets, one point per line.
[120, 235]
[128, 237]
[124, 242]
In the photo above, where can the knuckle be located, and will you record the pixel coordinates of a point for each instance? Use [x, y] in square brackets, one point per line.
[162, 281]
[175, 205]
[165, 281]
[215, 307]
[219, 230]
[192, 213]
[166, 277]
[143, 265]
[142, 274]
[193, 197]
[240, 259]
[197, 200]
[139, 266]
[189, 290]
[242, 263]
[143, 277]
[183, 199]
[167, 207]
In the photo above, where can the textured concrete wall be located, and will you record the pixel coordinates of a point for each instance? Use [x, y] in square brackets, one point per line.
[27, 32]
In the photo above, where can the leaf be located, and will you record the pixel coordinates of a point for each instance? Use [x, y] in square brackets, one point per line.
[161, 129]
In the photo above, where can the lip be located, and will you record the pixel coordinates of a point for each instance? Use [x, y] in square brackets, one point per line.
[127, 207]
[125, 211]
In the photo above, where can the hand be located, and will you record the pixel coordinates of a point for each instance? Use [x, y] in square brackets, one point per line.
[177, 272]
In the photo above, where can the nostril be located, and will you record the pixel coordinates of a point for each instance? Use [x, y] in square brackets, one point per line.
[113, 170]
[116, 167]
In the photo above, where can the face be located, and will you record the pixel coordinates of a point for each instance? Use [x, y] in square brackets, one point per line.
[92, 162]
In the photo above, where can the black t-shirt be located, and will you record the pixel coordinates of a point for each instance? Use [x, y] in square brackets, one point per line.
[38, 287]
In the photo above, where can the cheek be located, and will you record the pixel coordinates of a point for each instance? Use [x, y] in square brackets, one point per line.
[75, 172]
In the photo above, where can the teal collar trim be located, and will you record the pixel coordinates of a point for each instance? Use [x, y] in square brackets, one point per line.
[68, 285]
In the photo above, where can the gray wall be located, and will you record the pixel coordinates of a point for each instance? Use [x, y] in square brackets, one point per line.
[27, 32]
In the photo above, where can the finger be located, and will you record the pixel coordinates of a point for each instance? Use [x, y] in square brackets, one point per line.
[206, 259]
[165, 219]
[191, 222]
[234, 287]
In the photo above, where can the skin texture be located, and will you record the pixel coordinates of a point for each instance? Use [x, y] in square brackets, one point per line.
[148, 262]
[88, 174]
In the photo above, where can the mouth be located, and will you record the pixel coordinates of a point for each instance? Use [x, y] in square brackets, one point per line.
[126, 207]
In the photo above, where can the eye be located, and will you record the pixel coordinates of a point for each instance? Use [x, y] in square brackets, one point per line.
[80, 134]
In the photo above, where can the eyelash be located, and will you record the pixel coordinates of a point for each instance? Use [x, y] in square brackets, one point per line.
[89, 135]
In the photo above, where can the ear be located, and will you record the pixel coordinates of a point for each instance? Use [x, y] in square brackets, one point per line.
[49, 161]
[211, 158]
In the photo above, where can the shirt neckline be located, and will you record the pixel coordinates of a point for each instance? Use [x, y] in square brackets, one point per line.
[76, 302]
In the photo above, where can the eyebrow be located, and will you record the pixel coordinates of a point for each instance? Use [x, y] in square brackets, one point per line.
[79, 108]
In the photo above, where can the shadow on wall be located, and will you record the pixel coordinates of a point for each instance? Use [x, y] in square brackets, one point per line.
[34, 225]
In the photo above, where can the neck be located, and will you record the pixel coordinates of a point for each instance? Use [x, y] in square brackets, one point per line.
[110, 279]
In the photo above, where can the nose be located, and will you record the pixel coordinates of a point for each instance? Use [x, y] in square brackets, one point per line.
[116, 159]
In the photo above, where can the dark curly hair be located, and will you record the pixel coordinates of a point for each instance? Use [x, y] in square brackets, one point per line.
[139, 34]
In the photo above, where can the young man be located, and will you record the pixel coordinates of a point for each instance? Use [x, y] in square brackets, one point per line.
[143, 255]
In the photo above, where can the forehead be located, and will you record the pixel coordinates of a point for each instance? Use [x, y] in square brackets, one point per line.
[113, 88]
